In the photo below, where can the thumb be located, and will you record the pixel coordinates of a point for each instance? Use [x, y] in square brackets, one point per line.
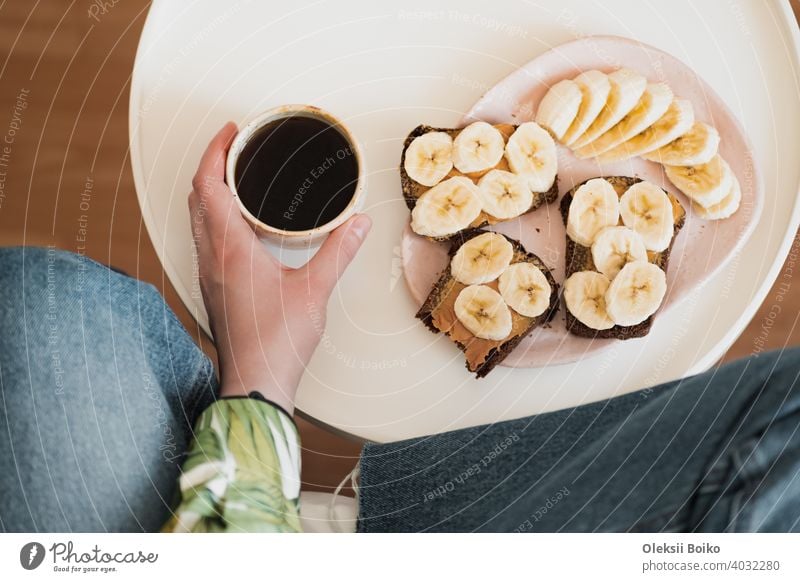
[338, 251]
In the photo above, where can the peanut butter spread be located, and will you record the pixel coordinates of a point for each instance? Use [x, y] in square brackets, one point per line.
[476, 349]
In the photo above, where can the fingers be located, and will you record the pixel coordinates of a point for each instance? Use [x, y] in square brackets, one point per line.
[338, 250]
[213, 210]
[208, 184]
[211, 170]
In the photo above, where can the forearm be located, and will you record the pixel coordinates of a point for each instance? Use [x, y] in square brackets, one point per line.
[261, 355]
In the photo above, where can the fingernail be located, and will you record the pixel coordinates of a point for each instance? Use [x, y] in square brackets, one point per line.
[361, 226]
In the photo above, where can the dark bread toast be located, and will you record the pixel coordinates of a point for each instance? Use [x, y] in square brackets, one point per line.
[579, 258]
[439, 305]
[413, 190]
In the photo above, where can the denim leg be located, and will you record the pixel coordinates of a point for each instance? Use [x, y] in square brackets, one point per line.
[718, 451]
[99, 388]
[753, 483]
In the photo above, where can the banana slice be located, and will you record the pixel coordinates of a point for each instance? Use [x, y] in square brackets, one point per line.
[481, 259]
[531, 152]
[477, 147]
[585, 296]
[698, 146]
[446, 208]
[678, 119]
[559, 106]
[504, 195]
[595, 205]
[483, 312]
[526, 289]
[615, 247]
[646, 208]
[429, 158]
[635, 293]
[627, 87]
[707, 184]
[595, 88]
[724, 209]
[651, 106]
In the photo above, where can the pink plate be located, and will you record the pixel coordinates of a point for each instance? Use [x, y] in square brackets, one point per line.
[703, 247]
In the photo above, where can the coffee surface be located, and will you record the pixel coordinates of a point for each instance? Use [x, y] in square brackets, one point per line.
[296, 173]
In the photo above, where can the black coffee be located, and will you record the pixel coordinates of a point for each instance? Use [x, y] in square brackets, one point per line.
[296, 173]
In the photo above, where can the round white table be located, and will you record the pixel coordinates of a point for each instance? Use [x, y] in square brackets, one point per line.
[378, 374]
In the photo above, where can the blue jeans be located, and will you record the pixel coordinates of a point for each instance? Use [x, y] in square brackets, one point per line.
[100, 387]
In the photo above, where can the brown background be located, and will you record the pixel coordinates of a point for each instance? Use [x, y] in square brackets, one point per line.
[78, 74]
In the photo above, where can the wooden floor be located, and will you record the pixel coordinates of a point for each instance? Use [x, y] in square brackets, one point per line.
[75, 74]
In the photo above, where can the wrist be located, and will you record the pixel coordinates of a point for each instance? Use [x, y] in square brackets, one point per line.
[282, 394]
[250, 362]
[255, 395]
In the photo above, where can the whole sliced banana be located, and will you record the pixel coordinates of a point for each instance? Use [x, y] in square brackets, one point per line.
[531, 152]
[558, 107]
[697, 146]
[526, 289]
[481, 259]
[646, 209]
[504, 194]
[594, 206]
[635, 293]
[585, 296]
[724, 209]
[477, 147]
[707, 184]
[483, 312]
[627, 87]
[653, 103]
[678, 119]
[595, 88]
[429, 158]
[446, 208]
[615, 247]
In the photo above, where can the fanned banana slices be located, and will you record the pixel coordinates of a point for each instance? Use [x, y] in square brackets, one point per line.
[616, 116]
[619, 234]
[493, 294]
[482, 174]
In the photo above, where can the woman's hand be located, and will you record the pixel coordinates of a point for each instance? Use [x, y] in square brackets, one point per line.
[266, 318]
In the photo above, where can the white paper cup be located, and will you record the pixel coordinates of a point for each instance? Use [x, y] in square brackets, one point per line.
[294, 238]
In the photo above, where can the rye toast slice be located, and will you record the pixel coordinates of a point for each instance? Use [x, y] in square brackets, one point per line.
[413, 190]
[579, 258]
[437, 312]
